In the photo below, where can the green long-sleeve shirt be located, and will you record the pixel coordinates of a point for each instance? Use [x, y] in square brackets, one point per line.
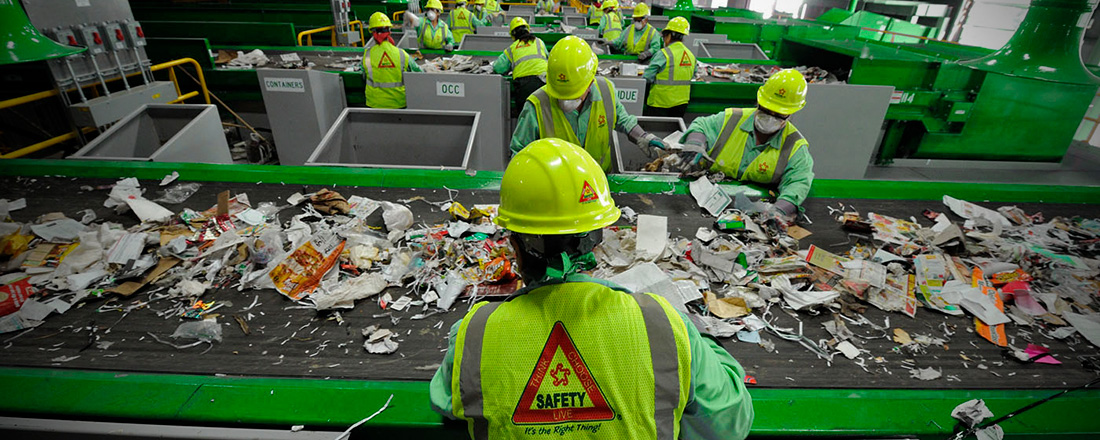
[797, 177]
[656, 65]
[654, 39]
[720, 406]
[527, 127]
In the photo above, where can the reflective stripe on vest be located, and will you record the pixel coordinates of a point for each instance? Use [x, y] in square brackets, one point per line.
[614, 26]
[633, 46]
[552, 122]
[768, 167]
[400, 66]
[432, 38]
[479, 400]
[528, 52]
[672, 86]
[595, 16]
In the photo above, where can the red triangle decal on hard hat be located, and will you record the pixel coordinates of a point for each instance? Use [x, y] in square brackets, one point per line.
[685, 61]
[588, 194]
[561, 389]
[386, 61]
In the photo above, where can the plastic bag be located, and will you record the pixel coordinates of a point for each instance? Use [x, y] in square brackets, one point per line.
[178, 193]
[265, 248]
[206, 330]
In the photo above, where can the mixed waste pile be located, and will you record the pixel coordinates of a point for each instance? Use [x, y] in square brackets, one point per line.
[1024, 279]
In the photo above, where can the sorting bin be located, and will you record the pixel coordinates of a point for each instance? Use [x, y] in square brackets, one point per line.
[399, 138]
[163, 133]
[692, 40]
[628, 158]
[729, 51]
[489, 95]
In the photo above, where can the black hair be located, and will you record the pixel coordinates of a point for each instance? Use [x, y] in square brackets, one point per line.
[523, 33]
[537, 252]
[673, 35]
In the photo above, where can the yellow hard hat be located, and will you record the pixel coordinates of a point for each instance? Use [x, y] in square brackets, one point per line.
[516, 22]
[641, 10]
[434, 4]
[610, 4]
[553, 187]
[783, 93]
[378, 20]
[678, 24]
[570, 68]
[477, 2]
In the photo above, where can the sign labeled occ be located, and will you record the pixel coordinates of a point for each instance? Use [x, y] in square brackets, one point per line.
[450, 89]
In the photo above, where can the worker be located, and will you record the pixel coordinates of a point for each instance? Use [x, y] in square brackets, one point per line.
[526, 58]
[433, 33]
[545, 7]
[611, 24]
[579, 107]
[569, 350]
[641, 40]
[384, 66]
[481, 13]
[494, 12]
[759, 144]
[670, 73]
[595, 13]
[463, 21]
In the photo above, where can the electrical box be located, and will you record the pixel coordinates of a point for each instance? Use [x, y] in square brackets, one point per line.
[65, 36]
[114, 37]
[91, 38]
[134, 33]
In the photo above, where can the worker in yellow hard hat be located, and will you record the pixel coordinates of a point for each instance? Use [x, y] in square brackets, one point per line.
[611, 24]
[580, 107]
[545, 7]
[594, 13]
[491, 13]
[641, 39]
[462, 21]
[605, 357]
[526, 59]
[670, 73]
[433, 33]
[759, 144]
[384, 66]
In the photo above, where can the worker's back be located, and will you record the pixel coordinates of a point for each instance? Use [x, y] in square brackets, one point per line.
[577, 360]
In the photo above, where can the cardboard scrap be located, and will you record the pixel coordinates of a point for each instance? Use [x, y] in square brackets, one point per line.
[131, 287]
[726, 307]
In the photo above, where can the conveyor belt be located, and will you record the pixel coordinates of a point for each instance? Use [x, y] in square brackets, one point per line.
[284, 342]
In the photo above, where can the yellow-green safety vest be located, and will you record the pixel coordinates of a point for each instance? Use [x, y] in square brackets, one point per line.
[614, 27]
[384, 65]
[461, 21]
[527, 58]
[635, 45]
[432, 38]
[546, 6]
[575, 359]
[601, 121]
[595, 16]
[729, 148]
[492, 6]
[672, 87]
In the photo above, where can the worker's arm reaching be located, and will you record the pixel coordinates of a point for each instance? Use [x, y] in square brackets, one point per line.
[656, 65]
[411, 65]
[618, 44]
[654, 47]
[502, 65]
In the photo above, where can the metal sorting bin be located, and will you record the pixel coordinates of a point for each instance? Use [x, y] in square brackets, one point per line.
[163, 133]
[497, 31]
[396, 138]
[574, 19]
[490, 95]
[631, 92]
[628, 158]
[409, 41]
[692, 40]
[659, 21]
[484, 42]
[729, 51]
[842, 146]
[301, 105]
[520, 10]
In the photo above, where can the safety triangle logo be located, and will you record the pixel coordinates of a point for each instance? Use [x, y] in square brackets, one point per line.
[587, 193]
[386, 61]
[561, 389]
[685, 60]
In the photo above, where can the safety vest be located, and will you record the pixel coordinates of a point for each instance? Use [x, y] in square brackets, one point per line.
[461, 21]
[673, 84]
[384, 65]
[614, 26]
[594, 15]
[768, 167]
[527, 58]
[492, 6]
[601, 121]
[546, 6]
[636, 45]
[432, 37]
[574, 358]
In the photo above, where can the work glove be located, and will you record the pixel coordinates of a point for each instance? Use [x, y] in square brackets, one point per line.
[782, 213]
[651, 145]
[448, 47]
[693, 158]
[644, 55]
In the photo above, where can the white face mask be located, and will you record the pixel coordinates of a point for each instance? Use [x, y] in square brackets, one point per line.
[768, 124]
[478, 7]
[639, 25]
[432, 15]
[570, 105]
